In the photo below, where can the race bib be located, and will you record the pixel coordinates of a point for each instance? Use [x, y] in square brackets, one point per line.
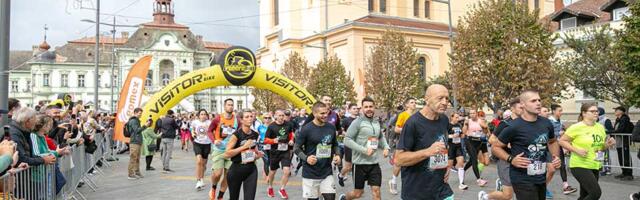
[283, 146]
[536, 168]
[456, 140]
[372, 143]
[266, 147]
[477, 134]
[248, 156]
[600, 156]
[323, 151]
[226, 131]
[438, 161]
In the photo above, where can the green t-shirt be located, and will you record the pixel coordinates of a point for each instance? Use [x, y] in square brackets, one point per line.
[590, 138]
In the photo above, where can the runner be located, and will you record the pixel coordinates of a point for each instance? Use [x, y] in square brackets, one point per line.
[410, 107]
[455, 148]
[242, 151]
[316, 144]
[185, 132]
[531, 138]
[364, 136]
[280, 136]
[558, 129]
[422, 151]
[346, 153]
[504, 189]
[586, 141]
[302, 116]
[262, 129]
[221, 127]
[201, 145]
[475, 128]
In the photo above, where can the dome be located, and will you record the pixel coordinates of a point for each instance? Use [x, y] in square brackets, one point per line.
[44, 46]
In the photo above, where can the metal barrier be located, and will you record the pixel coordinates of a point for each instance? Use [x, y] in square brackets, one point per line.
[625, 153]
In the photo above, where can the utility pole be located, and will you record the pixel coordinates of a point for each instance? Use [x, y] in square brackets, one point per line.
[5, 8]
[113, 66]
[448, 2]
[326, 28]
[97, 56]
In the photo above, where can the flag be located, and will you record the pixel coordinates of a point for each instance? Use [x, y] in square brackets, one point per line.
[131, 95]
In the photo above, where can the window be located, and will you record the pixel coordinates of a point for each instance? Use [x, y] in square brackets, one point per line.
[239, 102]
[427, 9]
[370, 4]
[65, 80]
[567, 2]
[197, 104]
[99, 79]
[619, 13]
[276, 11]
[536, 4]
[14, 86]
[149, 81]
[383, 6]
[416, 8]
[80, 80]
[214, 105]
[28, 86]
[166, 78]
[45, 80]
[422, 62]
[568, 23]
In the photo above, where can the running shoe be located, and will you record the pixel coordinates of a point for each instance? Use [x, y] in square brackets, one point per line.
[283, 194]
[270, 192]
[393, 187]
[344, 197]
[463, 187]
[482, 195]
[481, 182]
[454, 170]
[548, 194]
[199, 185]
[341, 180]
[568, 190]
[132, 177]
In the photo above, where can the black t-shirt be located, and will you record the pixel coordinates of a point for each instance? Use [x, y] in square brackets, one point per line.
[346, 122]
[530, 138]
[503, 124]
[418, 181]
[242, 138]
[455, 129]
[280, 132]
[313, 136]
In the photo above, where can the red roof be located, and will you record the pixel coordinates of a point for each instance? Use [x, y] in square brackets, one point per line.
[215, 45]
[103, 40]
[410, 23]
[167, 26]
[584, 8]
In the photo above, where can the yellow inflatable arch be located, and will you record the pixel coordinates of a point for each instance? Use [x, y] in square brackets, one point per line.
[234, 66]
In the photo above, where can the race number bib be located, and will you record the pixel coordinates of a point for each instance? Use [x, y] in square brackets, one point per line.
[226, 131]
[266, 147]
[439, 161]
[323, 151]
[248, 156]
[283, 146]
[600, 156]
[372, 143]
[456, 140]
[536, 168]
[477, 134]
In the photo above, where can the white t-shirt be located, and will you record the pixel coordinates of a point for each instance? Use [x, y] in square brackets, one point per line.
[200, 131]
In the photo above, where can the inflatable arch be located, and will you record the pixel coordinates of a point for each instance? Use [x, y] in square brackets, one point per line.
[234, 66]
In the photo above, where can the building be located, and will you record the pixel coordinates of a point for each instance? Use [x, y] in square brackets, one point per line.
[41, 74]
[349, 28]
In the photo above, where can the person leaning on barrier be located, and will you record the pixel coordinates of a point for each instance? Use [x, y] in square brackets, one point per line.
[7, 154]
[23, 123]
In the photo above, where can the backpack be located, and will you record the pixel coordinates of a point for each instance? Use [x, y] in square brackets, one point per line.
[126, 131]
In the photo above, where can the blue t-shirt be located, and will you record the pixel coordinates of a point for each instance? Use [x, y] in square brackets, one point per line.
[418, 181]
[530, 138]
[313, 136]
[262, 129]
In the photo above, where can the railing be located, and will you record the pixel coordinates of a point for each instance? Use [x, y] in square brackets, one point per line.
[625, 153]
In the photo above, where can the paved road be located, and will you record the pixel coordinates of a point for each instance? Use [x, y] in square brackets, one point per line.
[180, 185]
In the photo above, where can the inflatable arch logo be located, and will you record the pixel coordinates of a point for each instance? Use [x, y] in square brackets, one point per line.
[234, 66]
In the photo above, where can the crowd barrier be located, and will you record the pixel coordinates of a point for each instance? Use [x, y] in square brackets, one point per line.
[625, 152]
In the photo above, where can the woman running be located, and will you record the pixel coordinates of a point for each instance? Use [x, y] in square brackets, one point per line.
[455, 148]
[474, 129]
[586, 141]
[201, 145]
[243, 152]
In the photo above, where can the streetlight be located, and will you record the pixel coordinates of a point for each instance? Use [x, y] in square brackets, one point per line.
[113, 52]
[448, 2]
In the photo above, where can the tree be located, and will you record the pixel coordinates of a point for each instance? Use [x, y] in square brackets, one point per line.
[629, 48]
[495, 57]
[297, 69]
[392, 73]
[266, 100]
[594, 66]
[330, 78]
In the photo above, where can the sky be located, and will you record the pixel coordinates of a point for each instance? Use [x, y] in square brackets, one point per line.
[231, 21]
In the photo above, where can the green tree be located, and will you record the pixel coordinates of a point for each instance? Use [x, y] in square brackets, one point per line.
[265, 100]
[297, 69]
[330, 78]
[629, 47]
[593, 65]
[496, 56]
[392, 73]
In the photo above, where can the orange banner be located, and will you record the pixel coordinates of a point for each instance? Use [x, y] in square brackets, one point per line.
[131, 95]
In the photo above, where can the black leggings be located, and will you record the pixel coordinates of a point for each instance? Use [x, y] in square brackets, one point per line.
[149, 159]
[245, 175]
[588, 179]
[265, 162]
[530, 191]
[472, 149]
[563, 166]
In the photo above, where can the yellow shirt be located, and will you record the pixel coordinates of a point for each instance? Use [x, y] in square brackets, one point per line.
[590, 138]
[402, 118]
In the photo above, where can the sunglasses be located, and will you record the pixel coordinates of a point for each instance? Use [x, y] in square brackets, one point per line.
[266, 117]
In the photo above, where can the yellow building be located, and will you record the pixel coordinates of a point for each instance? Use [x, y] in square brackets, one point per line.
[349, 28]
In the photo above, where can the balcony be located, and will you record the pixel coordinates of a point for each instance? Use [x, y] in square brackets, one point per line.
[580, 30]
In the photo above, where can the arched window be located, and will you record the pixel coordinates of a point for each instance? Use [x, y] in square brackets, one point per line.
[149, 81]
[422, 62]
[165, 79]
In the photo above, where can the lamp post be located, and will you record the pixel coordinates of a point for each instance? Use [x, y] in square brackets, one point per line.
[5, 8]
[448, 2]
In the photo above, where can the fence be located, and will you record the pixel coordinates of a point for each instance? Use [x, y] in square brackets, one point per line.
[625, 153]
[39, 182]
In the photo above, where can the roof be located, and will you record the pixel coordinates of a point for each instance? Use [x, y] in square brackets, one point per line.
[583, 8]
[216, 45]
[613, 4]
[403, 22]
[103, 40]
[167, 26]
[17, 59]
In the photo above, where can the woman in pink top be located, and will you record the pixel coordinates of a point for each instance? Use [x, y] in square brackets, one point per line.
[475, 129]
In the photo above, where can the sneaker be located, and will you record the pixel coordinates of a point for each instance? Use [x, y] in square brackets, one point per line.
[132, 177]
[463, 187]
[548, 194]
[199, 185]
[342, 197]
[634, 196]
[568, 190]
[341, 180]
[393, 188]
[139, 175]
[166, 171]
[498, 184]
[270, 192]
[454, 170]
[150, 168]
[283, 194]
[481, 182]
[482, 195]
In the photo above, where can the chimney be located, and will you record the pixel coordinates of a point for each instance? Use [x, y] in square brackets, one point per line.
[124, 34]
[199, 38]
[35, 49]
[557, 5]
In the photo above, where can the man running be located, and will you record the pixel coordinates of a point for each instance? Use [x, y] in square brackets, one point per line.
[531, 138]
[280, 136]
[346, 153]
[410, 107]
[222, 127]
[558, 130]
[365, 137]
[422, 152]
[316, 144]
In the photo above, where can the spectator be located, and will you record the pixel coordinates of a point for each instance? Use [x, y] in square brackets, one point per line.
[168, 129]
[148, 147]
[43, 125]
[623, 125]
[24, 120]
[7, 154]
[133, 127]
[14, 105]
[636, 138]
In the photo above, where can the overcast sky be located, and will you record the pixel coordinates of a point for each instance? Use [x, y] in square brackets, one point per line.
[230, 21]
